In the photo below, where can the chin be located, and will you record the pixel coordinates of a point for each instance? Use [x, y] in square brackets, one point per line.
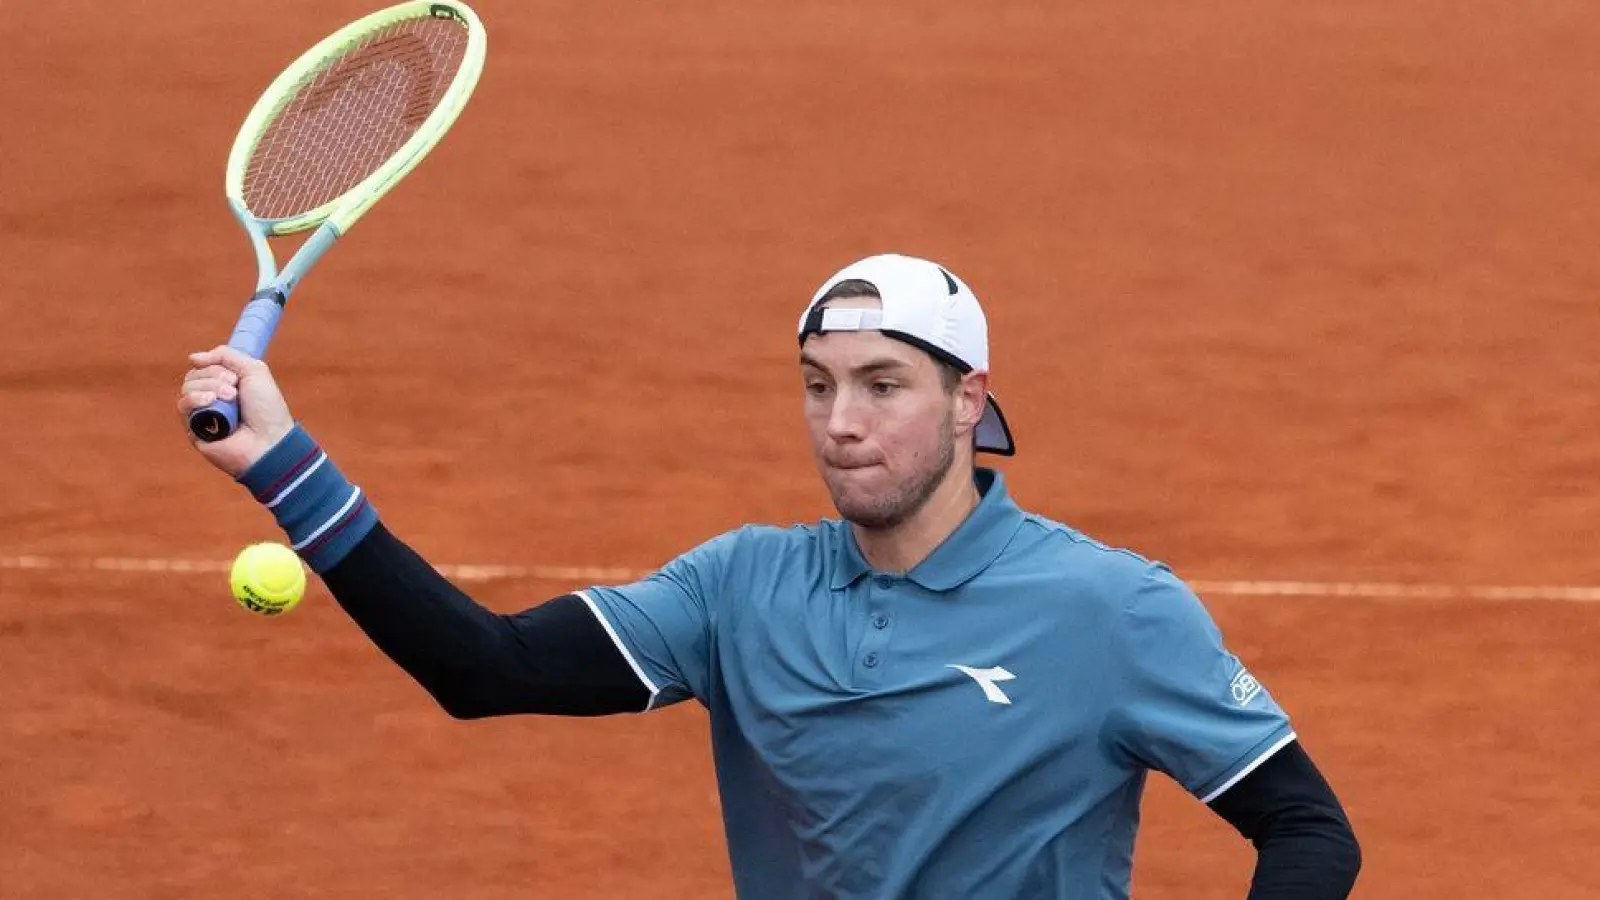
[868, 509]
[872, 497]
[872, 518]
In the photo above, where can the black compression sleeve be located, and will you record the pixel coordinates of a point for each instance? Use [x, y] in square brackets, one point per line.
[554, 659]
[1305, 847]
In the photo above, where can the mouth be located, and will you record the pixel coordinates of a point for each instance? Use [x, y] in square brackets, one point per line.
[852, 466]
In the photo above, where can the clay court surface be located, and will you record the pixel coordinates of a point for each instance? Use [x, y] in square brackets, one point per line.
[1276, 291]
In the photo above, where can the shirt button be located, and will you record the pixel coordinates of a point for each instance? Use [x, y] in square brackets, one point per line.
[879, 620]
[871, 661]
[884, 581]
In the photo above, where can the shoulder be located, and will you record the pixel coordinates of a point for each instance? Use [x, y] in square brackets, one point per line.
[1070, 551]
[768, 539]
[1129, 592]
[1081, 564]
[755, 566]
[757, 545]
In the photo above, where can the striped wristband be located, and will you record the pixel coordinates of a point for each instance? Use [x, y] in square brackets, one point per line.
[323, 514]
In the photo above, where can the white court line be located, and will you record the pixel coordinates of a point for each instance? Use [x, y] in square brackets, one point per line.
[1390, 591]
[461, 572]
[468, 573]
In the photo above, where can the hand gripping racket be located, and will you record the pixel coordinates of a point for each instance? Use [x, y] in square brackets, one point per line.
[333, 133]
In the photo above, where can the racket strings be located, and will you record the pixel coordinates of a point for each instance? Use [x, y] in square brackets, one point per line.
[350, 117]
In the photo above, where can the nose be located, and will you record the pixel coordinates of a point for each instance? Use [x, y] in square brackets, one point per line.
[846, 418]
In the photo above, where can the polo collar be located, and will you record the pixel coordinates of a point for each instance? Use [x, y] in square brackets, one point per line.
[975, 543]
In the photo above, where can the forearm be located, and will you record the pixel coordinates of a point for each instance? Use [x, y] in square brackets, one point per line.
[553, 659]
[1305, 847]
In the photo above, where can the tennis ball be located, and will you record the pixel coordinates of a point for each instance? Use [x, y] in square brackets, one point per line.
[267, 579]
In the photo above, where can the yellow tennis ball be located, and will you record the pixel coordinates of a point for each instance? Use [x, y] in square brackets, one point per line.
[267, 579]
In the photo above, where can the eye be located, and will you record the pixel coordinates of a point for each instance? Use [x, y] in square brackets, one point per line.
[884, 388]
[817, 388]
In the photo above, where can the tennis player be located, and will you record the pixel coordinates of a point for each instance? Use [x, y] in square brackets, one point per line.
[939, 695]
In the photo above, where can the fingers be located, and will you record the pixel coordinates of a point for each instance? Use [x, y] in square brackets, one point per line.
[203, 386]
[188, 403]
[224, 373]
[201, 397]
[212, 387]
[216, 374]
[228, 358]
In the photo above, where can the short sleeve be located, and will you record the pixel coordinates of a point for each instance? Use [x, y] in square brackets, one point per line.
[663, 623]
[1183, 704]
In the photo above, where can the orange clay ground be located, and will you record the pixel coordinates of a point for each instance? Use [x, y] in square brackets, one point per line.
[1276, 291]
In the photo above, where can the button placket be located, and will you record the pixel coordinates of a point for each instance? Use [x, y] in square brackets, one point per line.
[872, 657]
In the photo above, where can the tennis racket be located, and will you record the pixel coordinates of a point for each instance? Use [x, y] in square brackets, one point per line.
[333, 133]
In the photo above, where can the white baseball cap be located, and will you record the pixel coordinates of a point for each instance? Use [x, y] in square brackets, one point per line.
[927, 307]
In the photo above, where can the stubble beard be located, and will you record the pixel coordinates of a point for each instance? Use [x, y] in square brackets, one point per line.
[899, 503]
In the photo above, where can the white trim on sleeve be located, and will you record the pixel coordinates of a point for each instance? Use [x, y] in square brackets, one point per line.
[626, 654]
[1282, 743]
[273, 503]
[355, 494]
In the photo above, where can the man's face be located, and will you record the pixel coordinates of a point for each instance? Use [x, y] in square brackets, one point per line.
[883, 428]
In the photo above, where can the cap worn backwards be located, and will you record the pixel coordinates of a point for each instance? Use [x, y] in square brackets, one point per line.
[926, 306]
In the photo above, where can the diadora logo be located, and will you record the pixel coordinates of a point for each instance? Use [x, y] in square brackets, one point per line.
[986, 679]
[1245, 687]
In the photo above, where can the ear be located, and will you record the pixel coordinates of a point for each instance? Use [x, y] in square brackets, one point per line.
[970, 396]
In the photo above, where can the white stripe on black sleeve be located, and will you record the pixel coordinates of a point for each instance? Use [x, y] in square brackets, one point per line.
[626, 653]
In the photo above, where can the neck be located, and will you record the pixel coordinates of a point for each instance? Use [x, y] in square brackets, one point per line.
[901, 547]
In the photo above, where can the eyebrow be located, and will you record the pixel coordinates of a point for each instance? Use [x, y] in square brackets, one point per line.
[870, 367]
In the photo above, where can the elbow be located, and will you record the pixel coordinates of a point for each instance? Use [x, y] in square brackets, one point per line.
[462, 694]
[1321, 847]
[461, 707]
[1338, 856]
[465, 700]
[1348, 854]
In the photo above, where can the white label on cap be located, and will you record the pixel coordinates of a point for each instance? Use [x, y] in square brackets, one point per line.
[851, 319]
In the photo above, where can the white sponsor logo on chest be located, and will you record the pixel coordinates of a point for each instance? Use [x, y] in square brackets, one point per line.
[986, 679]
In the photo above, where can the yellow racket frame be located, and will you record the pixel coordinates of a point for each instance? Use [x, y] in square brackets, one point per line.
[259, 319]
[342, 211]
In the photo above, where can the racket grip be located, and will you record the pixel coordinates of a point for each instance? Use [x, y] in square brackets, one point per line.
[250, 336]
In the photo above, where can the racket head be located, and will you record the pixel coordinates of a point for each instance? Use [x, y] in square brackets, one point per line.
[355, 113]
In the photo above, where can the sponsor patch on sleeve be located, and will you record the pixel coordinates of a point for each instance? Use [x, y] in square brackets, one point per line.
[1245, 687]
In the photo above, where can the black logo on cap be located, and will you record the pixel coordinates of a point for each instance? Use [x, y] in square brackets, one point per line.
[949, 281]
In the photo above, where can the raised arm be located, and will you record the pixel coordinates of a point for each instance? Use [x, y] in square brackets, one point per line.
[557, 658]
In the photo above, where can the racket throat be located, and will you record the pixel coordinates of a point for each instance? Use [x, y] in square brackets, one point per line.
[276, 294]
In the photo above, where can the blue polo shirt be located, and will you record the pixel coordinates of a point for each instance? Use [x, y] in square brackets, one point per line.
[979, 726]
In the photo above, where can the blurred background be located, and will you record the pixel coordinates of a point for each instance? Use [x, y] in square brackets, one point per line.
[1276, 293]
